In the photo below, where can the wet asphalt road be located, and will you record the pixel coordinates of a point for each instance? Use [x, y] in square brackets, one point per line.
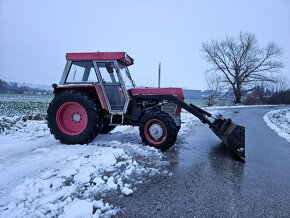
[207, 182]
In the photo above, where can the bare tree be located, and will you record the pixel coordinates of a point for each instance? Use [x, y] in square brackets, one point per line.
[213, 86]
[281, 83]
[241, 62]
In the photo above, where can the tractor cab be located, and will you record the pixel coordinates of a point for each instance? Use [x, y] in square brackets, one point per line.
[107, 71]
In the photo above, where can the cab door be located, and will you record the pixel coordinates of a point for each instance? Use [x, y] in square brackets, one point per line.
[113, 90]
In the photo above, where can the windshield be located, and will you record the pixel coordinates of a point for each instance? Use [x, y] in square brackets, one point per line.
[129, 83]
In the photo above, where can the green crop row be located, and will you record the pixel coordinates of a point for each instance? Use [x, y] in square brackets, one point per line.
[24, 105]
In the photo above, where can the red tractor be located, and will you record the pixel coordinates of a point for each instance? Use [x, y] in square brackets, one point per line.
[96, 93]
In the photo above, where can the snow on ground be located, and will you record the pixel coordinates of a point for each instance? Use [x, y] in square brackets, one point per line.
[42, 178]
[279, 121]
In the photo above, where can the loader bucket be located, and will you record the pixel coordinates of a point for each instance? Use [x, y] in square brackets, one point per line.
[233, 136]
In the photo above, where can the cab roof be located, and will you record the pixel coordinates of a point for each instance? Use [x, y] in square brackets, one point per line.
[85, 56]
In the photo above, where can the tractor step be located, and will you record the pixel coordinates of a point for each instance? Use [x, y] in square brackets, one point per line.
[116, 119]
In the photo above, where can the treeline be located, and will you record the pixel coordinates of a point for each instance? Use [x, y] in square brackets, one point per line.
[261, 95]
[14, 87]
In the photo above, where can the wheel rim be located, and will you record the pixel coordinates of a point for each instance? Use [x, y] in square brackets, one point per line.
[155, 131]
[71, 118]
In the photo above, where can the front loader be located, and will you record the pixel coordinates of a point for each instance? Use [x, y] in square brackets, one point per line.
[96, 93]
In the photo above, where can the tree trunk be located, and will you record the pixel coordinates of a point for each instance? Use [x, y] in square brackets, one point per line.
[237, 93]
[238, 99]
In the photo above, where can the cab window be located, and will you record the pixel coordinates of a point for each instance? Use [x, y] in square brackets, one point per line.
[108, 72]
[82, 72]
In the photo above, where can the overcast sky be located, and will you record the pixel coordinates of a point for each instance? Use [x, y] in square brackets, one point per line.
[35, 35]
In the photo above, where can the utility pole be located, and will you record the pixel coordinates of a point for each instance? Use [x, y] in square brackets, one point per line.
[159, 74]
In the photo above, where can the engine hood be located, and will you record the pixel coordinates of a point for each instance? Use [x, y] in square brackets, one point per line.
[158, 91]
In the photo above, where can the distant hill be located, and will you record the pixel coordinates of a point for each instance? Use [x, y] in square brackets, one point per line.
[23, 88]
[36, 86]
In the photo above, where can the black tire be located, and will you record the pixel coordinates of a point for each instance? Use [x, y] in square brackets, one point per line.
[69, 125]
[165, 133]
[106, 129]
[178, 128]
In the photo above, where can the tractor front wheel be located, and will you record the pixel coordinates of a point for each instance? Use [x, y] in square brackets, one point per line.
[158, 129]
[74, 118]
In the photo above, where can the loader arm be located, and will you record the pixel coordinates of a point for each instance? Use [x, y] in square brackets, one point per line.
[232, 135]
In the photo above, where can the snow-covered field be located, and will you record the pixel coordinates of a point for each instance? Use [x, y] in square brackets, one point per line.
[279, 121]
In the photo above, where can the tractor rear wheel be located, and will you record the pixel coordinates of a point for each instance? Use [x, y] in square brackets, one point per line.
[158, 129]
[74, 118]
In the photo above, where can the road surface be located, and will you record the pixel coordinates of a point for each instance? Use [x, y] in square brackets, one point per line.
[207, 181]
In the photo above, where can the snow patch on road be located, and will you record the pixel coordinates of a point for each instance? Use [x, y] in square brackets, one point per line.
[79, 181]
[279, 121]
[78, 208]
